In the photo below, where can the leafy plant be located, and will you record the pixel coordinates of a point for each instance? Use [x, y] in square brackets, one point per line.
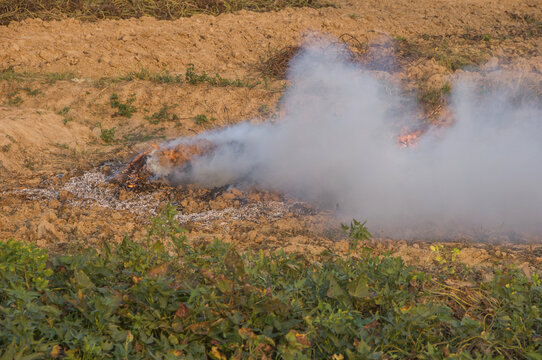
[202, 119]
[162, 115]
[108, 135]
[163, 77]
[31, 92]
[193, 78]
[167, 298]
[63, 113]
[125, 109]
[15, 101]
[52, 78]
[357, 232]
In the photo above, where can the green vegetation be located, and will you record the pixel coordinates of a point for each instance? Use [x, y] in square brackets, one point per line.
[440, 50]
[108, 135]
[162, 115]
[357, 233]
[10, 74]
[163, 298]
[164, 77]
[64, 112]
[51, 78]
[15, 101]
[91, 10]
[202, 119]
[143, 136]
[125, 109]
[431, 98]
[5, 148]
[31, 92]
[192, 77]
[29, 162]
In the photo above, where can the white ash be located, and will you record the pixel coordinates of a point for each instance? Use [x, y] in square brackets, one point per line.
[269, 210]
[35, 194]
[90, 189]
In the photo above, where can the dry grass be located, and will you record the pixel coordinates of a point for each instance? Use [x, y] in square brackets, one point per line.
[275, 63]
[91, 10]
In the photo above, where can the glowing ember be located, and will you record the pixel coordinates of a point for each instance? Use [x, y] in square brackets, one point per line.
[137, 173]
[182, 153]
[410, 138]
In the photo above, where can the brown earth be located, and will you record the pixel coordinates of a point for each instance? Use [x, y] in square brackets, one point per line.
[55, 112]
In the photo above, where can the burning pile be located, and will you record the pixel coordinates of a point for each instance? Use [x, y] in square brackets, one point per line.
[161, 161]
[141, 169]
[410, 137]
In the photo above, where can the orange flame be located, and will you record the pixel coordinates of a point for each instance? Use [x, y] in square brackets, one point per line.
[183, 153]
[410, 138]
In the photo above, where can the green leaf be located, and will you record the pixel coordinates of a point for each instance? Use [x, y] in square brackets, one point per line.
[534, 356]
[358, 288]
[335, 291]
[82, 280]
[224, 284]
[9, 354]
[234, 262]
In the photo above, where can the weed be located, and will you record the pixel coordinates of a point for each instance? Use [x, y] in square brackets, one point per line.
[143, 136]
[446, 258]
[62, 146]
[357, 232]
[31, 92]
[108, 135]
[163, 77]
[15, 101]
[442, 256]
[5, 148]
[193, 78]
[8, 74]
[63, 113]
[123, 109]
[264, 110]
[439, 50]
[486, 37]
[202, 119]
[29, 162]
[431, 98]
[162, 115]
[52, 78]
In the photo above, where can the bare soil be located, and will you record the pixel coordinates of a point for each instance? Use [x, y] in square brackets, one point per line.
[55, 160]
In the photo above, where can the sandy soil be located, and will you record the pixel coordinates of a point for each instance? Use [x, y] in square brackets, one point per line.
[54, 161]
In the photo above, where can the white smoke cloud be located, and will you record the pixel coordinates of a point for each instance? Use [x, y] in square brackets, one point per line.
[336, 146]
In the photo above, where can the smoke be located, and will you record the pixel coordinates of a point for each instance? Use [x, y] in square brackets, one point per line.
[336, 146]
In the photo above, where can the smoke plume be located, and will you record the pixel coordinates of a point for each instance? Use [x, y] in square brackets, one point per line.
[336, 146]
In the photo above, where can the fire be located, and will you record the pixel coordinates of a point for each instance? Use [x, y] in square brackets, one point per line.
[182, 153]
[136, 173]
[410, 138]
